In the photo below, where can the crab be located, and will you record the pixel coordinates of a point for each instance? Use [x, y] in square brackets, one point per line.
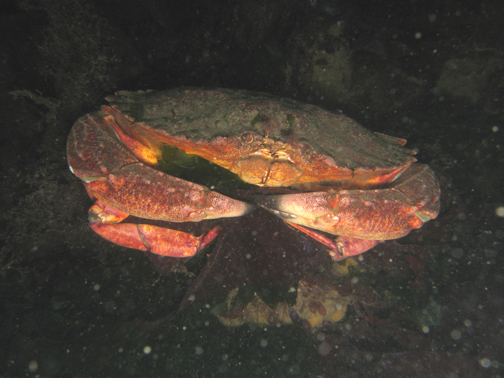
[344, 186]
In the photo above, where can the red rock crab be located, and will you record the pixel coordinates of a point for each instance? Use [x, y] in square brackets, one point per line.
[342, 179]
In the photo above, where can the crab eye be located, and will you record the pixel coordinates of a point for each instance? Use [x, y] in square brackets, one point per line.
[247, 138]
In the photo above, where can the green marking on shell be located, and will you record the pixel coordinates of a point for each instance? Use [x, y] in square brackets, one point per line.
[190, 167]
[259, 118]
[291, 120]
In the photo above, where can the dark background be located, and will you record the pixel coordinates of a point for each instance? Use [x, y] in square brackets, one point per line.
[432, 72]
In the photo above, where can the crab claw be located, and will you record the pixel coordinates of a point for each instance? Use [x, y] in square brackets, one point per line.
[123, 184]
[114, 175]
[379, 214]
[171, 199]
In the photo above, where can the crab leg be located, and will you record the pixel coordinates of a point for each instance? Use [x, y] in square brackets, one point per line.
[158, 240]
[104, 220]
[342, 247]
